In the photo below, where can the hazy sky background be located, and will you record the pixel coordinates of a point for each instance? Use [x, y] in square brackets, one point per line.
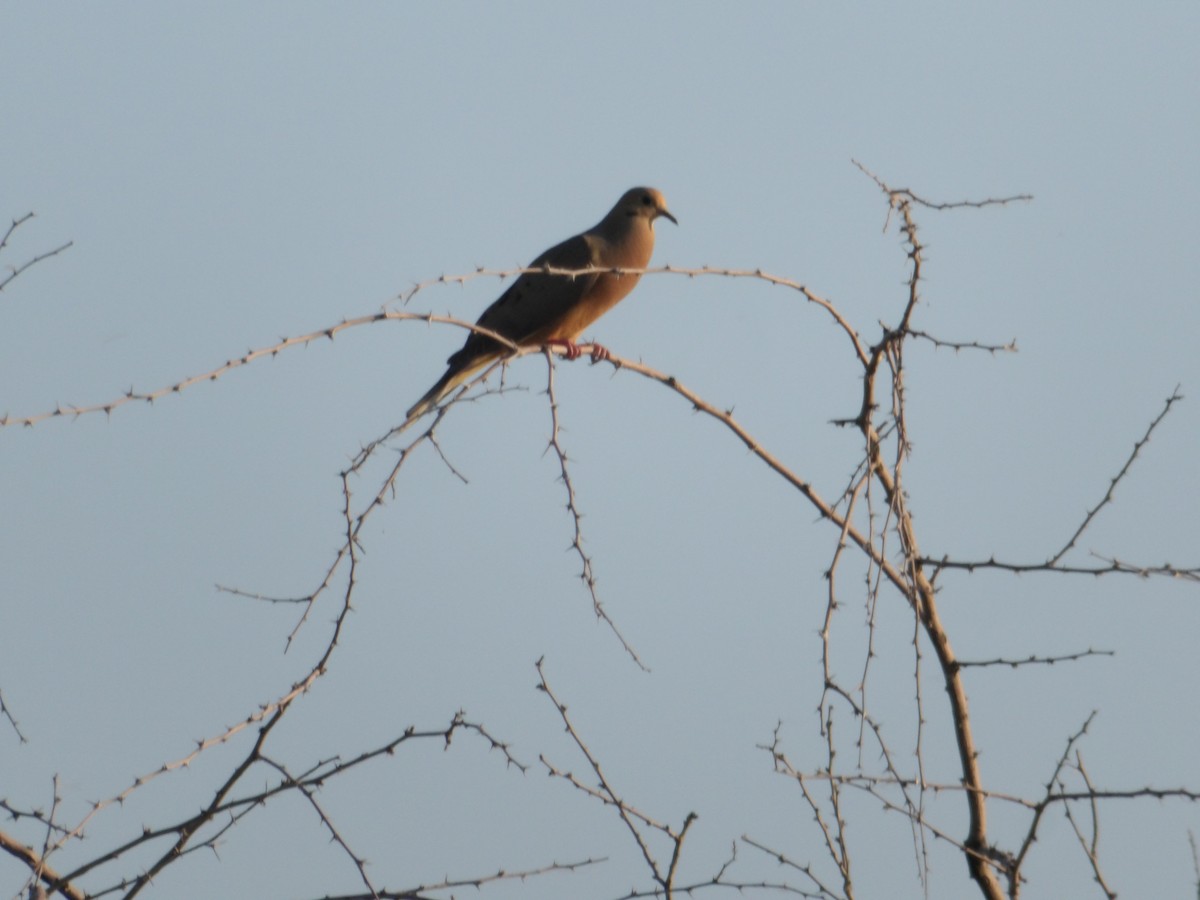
[234, 173]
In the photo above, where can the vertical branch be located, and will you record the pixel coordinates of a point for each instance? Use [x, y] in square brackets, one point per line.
[38, 874]
[919, 589]
[586, 574]
[1090, 843]
[1195, 860]
[842, 854]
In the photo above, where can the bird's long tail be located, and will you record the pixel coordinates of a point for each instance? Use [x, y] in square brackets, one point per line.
[455, 377]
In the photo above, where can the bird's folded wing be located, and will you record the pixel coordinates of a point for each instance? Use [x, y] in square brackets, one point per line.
[529, 310]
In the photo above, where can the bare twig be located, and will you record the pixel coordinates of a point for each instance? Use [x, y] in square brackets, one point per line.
[957, 346]
[587, 573]
[909, 807]
[904, 194]
[7, 714]
[1195, 860]
[390, 315]
[1039, 809]
[609, 796]
[1090, 843]
[1110, 567]
[1033, 660]
[13, 226]
[185, 835]
[422, 891]
[14, 271]
[806, 870]
[360, 864]
[1115, 480]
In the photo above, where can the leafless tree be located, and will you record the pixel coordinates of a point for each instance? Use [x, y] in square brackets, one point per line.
[870, 522]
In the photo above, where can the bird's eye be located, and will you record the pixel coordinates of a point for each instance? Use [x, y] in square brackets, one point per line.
[647, 200]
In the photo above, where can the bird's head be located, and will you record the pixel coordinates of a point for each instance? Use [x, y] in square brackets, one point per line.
[644, 202]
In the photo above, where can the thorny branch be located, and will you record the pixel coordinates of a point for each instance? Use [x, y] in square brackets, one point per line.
[187, 835]
[910, 573]
[916, 586]
[1112, 485]
[15, 271]
[422, 891]
[1108, 566]
[1032, 660]
[1090, 843]
[1195, 860]
[587, 574]
[606, 793]
[284, 344]
[12, 722]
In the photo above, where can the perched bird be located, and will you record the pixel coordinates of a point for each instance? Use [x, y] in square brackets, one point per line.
[540, 308]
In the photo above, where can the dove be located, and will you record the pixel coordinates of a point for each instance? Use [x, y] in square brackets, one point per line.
[541, 309]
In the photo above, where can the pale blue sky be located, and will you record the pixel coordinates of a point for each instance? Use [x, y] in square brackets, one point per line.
[233, 173]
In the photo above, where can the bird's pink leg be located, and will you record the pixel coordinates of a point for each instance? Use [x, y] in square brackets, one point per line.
[599, 353]
[571, 348]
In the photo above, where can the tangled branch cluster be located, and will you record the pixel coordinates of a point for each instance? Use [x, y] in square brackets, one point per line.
[871, 519]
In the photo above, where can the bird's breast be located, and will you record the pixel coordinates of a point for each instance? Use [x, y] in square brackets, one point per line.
[608, 291]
